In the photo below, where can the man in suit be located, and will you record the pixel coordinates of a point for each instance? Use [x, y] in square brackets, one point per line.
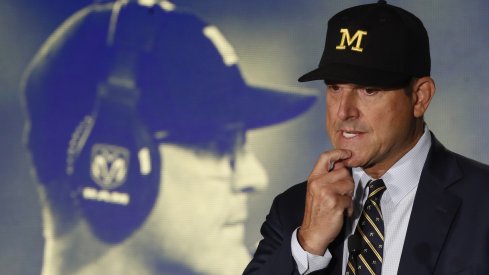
[429, 212]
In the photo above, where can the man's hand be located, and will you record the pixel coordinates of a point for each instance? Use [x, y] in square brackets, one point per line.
[329, 193]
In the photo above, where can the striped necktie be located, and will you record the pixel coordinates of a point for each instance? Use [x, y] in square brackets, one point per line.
[370, 229]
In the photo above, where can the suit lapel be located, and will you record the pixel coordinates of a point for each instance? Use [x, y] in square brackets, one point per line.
[433, 211]
[337, 253]
[335, 267]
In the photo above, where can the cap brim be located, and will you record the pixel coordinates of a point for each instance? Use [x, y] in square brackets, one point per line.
[263, 107]
[253, 107]
[345, 73]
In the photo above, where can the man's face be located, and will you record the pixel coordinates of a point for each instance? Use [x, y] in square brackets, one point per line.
[376, 125]
[199, 217]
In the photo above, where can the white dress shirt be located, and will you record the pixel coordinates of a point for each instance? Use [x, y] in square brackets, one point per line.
[401, 181]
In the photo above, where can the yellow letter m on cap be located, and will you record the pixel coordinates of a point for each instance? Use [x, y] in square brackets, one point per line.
[350, 40]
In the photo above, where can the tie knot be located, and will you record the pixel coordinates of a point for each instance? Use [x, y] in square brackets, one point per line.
[376, 188]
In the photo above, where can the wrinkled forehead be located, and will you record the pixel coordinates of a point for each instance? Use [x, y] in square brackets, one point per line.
[354, 85]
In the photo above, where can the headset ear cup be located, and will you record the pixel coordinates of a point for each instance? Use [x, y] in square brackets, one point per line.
[116, 173]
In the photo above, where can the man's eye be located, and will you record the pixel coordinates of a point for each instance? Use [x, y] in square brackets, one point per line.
[370, 91]
[333, 88]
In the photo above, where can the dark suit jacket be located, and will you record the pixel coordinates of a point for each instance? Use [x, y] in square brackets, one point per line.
[448, 232]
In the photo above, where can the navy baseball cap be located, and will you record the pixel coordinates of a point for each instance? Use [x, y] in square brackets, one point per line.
[374, 44]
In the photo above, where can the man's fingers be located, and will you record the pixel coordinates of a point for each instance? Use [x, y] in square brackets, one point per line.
[337, 165]
[349, 210]
[329, 197]
[340, 184]
[328, 160]
[344, 188]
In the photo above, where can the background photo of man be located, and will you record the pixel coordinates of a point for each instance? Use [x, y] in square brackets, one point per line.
[137, 129]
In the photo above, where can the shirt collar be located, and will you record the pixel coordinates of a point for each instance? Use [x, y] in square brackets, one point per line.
[404, 175]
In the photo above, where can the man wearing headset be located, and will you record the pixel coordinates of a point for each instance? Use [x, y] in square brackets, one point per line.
[137, 133]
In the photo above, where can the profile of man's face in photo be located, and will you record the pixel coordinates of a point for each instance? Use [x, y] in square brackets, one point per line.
[200, 213]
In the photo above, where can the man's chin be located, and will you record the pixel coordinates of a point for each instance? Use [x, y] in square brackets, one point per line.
[354, 161]
[233, 234]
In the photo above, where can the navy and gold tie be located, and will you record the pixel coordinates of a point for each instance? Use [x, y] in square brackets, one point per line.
[370, 230]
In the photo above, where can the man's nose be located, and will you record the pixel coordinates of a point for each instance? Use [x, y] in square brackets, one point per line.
[249, 174]
[347, 108]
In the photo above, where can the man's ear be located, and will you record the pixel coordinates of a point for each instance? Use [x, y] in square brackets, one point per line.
[423, 90]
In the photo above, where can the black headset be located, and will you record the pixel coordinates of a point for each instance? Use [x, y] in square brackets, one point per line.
[113, 163]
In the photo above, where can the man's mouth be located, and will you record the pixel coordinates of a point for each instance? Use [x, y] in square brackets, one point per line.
[350, 134]
[234, 223]
[233, 230]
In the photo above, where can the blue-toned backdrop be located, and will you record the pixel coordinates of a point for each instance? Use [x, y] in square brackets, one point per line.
[276, 42]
